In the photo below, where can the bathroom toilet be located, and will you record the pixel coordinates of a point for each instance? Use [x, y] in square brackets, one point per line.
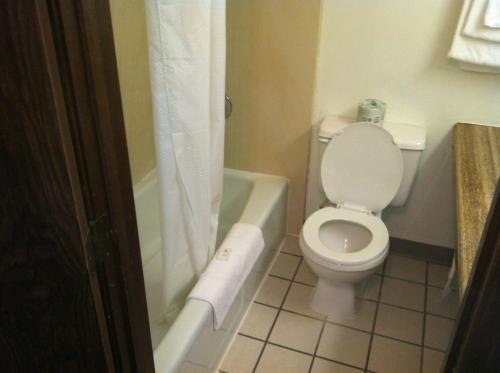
[361, 172]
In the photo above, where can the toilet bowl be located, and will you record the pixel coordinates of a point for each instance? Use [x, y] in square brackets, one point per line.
[361, 171]
[342, 245]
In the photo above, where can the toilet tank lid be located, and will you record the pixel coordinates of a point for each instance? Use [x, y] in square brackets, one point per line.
[406, 136]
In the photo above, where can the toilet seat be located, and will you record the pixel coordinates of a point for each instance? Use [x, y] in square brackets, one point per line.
[362, 166]
[318, 252]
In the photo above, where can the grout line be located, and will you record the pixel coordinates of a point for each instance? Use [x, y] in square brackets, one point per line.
[425, 317]
[441, 316]
[251, 337]
[295, 255]
[265, 304]
[292, 254]
[438, 287]
[305, 284]
[401, 307]
[401, 340]
[405, 280]
[317, 343]
[301, 314]
[348, 327]
[297, 282]
[289, 348]
[338, 362]
[435, 349]
[276, 317]
[375, 317]
[280, 277]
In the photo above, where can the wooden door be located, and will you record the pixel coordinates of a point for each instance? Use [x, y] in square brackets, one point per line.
[71, 288]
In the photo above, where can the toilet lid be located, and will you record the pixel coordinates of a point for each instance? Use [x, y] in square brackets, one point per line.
[362, 166]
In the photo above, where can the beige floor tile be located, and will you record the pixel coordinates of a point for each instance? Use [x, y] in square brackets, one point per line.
[188, 367]
[438, 331]
[344, 345]
[258, 321]
[291, 246]
[438, 275]
[325, 366]
[242, 355]
[299, 299]
[403, 293]
[405, 268]
[390, 356]
[251, 284]
[306, 275]
[370, 288]
[295, 331]
[285, 265]
[280, 360]
[432, 361]
[363, 319]
[399, 323]
[440, 304]
[273, 291]
[380, 269]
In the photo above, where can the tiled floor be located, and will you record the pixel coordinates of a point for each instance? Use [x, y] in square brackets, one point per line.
[403, 323]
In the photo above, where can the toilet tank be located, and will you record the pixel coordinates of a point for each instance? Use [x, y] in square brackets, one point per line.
[409, 138]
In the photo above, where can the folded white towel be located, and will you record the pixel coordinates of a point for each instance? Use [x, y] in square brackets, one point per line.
[474, 23]
[478, 68]
[222, 279]
[471, 50]
[492, 14]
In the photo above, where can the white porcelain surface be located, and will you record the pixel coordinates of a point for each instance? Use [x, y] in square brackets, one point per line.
[344, 236]
[409, 138]
[362, 166]
[342, 252]
[344, 240]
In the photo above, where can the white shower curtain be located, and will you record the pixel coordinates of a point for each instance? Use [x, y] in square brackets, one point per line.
[187, 68]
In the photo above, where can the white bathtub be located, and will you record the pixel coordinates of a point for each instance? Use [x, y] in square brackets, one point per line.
[190, 344]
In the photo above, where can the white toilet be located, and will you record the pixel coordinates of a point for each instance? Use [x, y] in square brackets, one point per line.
[361, 172]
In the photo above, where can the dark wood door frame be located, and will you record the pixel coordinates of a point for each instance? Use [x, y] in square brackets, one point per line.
[476, 342]
[63, 51]
[87, 64]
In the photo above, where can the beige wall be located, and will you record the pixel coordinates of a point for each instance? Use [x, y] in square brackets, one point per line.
[396, 51]
[270, 76]
[129, 28]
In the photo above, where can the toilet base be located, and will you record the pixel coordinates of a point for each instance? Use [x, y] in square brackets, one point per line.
[334, 299]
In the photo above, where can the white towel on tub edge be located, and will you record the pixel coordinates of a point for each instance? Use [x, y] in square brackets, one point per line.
[220, 283]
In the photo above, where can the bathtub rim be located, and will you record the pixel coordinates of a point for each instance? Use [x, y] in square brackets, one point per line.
[177, 342]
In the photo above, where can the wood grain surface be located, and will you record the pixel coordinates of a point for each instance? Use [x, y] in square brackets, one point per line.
[477, 156]
[47, 314]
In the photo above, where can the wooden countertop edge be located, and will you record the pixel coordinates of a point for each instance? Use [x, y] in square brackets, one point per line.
[470, 160]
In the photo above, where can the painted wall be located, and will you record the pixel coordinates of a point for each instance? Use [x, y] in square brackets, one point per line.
[396, 51]
[129, 28]
[270, 75]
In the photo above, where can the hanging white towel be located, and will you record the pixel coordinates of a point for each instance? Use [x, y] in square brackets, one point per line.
[222, 280]
[187, 68]
[474, 25]
[472, 50]
[492, 14]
